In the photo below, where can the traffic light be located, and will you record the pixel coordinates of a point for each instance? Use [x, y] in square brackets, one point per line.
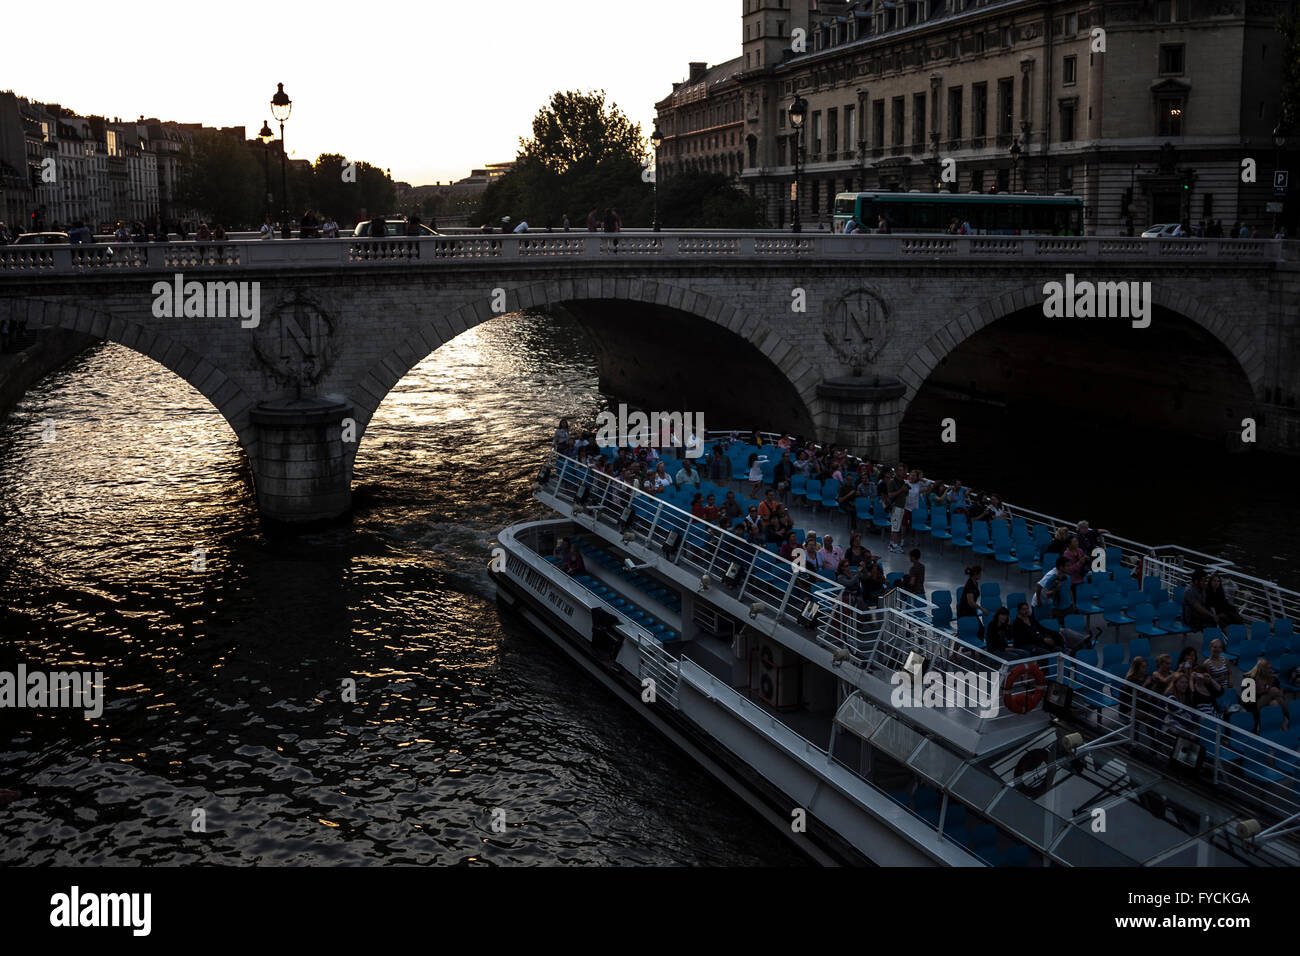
[1188, 178]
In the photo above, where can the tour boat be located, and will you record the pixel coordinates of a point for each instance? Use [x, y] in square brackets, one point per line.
[883, 735]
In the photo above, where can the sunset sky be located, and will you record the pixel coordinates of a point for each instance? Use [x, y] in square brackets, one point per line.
[428, 89]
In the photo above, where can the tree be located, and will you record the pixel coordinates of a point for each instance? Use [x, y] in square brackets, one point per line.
[577, 132]
[583, 154]
[222, 180]
[702, 200]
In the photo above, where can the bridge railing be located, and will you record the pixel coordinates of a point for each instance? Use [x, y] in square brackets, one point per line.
[684, 246]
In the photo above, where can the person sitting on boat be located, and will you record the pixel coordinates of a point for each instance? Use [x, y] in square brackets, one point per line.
[790, 545]
[969, 603]
[711, 512]
[660, 479]
[873, 581]
[730, 509]
[830, 555]
[1000, 638]
[573, 563]
[857, 554]
[850, 579]
[688, 475]
[1197, 614]
[1161, 680]
[1027, 634]
[767, 507]
[1268, 691]
[1090, 538]
[781, 476]
[1216, 599]
[753, 526]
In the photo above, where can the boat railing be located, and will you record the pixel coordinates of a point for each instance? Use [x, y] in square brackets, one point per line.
[774, 586]
[1258, 774]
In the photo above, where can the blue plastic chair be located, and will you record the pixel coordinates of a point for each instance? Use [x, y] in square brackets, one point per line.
[830, 493]
[1167, 620]
[1141, 647]
[1144, 616]
[812, 491]
[961, 533]
[921, 517]
[979, 534]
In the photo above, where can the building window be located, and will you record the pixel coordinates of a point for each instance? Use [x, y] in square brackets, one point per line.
[1006, 36]
[918, 120]
[780, 119]
[954, 113]
[1169, 116]
[832, 130]
[1070, 71]
[850, 128]
[817, 133]
[1067, 179]
[1071, 24]
[1067, 122]
[977, 180]
[899, 106]
[878, 123]
[1006, 106]
[1173, 11]
[979, 111]
[1171, 58]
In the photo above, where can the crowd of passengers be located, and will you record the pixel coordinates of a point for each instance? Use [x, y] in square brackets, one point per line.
[1009, 633]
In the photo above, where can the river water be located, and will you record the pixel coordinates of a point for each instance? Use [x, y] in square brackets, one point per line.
[225, 738]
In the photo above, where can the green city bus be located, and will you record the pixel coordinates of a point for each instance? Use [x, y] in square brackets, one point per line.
[987, 213]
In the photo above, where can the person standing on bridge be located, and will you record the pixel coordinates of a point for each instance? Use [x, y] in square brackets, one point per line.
[565, 221]
[593, 223]
[378, 228]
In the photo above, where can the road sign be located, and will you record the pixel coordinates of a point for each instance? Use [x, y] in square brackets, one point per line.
[1272, 207]
[1280, 177]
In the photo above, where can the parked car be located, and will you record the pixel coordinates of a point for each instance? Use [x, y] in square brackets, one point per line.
[1163, 230]
[42, 239]
[396, 227]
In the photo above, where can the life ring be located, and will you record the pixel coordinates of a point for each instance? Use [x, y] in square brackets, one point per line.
[1034, 772]
[1018, 699]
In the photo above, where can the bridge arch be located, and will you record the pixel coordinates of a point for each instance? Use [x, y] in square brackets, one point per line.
[230, 401]
[437, 330]
[949, 337]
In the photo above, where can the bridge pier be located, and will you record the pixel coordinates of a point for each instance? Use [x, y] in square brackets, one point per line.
[864, 414]
[302, 471]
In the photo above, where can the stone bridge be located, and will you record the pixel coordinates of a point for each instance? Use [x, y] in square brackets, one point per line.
[826, 334]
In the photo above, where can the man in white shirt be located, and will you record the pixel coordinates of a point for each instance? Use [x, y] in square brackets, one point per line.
[688, 475]
[522, 227]
[267, 231]
[1047, 590]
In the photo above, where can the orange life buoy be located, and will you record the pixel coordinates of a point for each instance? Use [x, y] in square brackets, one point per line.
[1021, 700]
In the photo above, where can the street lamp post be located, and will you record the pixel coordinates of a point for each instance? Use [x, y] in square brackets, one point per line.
[265, 135]
[1279, 143]
[798, 111]
[1015, 158]
[281, 106]
[656, 140]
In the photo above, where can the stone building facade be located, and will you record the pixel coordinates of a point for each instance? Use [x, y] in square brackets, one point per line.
[1145, 108]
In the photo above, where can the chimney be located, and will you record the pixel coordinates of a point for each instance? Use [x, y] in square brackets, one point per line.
[697, 71]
